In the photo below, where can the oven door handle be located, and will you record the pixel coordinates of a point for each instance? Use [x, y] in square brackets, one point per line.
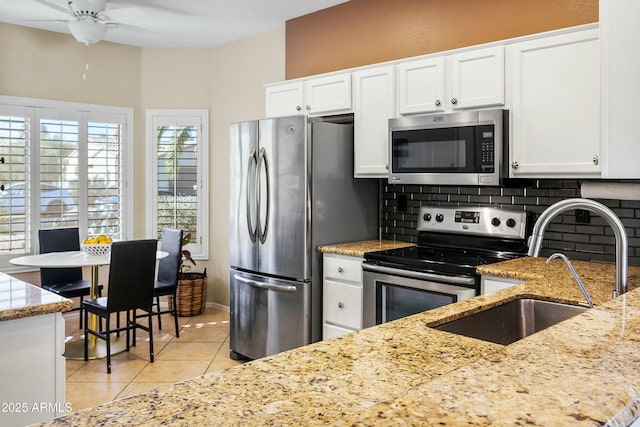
[419, 275]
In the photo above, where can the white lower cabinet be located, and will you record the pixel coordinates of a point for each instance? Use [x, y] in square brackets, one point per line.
[342, 295]
[489, 284]
[33, 369]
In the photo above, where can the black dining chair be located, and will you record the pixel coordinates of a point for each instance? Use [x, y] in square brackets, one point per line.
[168, 273]
[130, 288]
[66, 282]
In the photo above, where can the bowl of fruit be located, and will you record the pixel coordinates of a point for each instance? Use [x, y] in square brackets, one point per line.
[97, 246]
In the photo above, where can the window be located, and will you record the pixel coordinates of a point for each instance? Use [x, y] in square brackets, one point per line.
[177, 188]
[63, 167]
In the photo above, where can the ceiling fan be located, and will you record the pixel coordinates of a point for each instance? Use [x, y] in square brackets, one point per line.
[90, 20]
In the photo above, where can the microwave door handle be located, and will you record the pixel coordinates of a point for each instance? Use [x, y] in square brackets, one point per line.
[271, 286]
[420, 275]
[252, 230]
[262, 160]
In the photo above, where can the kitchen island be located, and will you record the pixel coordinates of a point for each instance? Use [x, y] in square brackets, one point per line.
[32, 368]
[583, 371]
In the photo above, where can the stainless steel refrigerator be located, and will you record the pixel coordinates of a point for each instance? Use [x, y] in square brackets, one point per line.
[292, 189]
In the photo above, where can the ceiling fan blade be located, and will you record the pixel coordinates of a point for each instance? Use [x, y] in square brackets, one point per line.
[132, 29]
[56, 7]
[124, 14]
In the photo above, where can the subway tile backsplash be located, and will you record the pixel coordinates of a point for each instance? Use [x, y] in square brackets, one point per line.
[592, 240]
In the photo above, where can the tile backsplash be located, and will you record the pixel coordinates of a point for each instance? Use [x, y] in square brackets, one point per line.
[592, 240]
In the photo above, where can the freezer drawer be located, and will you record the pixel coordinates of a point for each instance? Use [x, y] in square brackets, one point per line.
[268, 315]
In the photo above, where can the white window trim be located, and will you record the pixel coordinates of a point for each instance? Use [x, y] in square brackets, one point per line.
[203, 171]
[20, 103]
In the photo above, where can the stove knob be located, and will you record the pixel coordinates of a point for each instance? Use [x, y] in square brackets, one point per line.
[439, 217]
[426, 217]
[495, 222]
[511, 223]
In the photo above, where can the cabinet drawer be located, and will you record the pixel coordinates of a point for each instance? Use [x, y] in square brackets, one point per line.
[342, 304]
[332, 331]
[343, 268]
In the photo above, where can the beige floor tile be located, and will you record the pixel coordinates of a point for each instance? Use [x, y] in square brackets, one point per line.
[172, 371]
[73, 365]
[203, 346]
[189, 350]
[122, 370]
[211, 331]
[83, 395]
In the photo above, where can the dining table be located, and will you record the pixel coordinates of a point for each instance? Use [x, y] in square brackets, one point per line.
[74, 348]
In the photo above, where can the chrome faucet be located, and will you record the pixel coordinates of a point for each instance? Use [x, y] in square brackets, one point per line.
[535, 241]
[575, 275]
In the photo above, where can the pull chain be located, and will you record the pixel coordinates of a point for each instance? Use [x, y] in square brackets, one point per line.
[86, 62]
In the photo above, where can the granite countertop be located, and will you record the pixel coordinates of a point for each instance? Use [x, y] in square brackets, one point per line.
[583, 371]
[358, 249]
[19, 299]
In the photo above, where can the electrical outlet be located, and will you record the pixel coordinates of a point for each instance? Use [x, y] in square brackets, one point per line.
[582, 216]
[402, 202]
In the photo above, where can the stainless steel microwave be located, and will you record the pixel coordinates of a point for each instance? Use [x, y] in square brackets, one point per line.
[463, 148]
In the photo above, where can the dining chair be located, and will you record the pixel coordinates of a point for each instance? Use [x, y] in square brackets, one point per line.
[130, 288]
[66, 282]
[168, 274]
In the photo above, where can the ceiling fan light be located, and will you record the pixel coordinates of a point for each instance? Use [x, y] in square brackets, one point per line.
[87, 31]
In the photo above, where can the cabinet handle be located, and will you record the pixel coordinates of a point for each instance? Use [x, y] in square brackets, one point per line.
[340, 305]
[514, 165]
[298, 108]
[340, 270]
[2, 160]
[438, 103]
[308, 107]
[1, 187]
[454, 101]
[595, 160]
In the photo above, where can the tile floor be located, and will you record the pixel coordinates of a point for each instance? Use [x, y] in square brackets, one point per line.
[203, 347]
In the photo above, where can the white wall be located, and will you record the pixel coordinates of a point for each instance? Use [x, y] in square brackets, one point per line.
[227, 80]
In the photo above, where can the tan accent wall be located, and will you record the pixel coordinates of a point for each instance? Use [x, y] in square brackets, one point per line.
[362, 32]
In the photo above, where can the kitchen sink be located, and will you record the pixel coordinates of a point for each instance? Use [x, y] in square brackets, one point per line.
[512, 321]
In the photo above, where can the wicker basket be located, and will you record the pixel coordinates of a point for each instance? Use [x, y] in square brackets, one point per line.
[191, 294]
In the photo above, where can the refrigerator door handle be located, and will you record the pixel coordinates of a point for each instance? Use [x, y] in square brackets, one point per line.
[274, 287]
[252, 161]
[262, 159]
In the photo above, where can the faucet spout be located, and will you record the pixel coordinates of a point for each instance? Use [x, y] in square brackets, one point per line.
[575, 275]
[535, 241]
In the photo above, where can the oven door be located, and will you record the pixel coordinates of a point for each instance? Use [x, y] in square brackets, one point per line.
[390, 293]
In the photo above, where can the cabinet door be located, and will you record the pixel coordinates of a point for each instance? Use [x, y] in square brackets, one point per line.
[477, 78]
[556, 106]
[489, 284]
[328, 95]
[421, 86]
[374, 105]
[284, 99]
[620, 33]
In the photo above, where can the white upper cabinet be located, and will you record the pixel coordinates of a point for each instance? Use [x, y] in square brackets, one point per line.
[421, 86]
[477, 78]
[463, 80]
[620, 32]
[284, 99]
[373, 106]
[555, 106]
[315, 96]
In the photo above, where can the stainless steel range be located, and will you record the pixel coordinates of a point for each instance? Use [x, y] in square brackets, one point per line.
[441, 269]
